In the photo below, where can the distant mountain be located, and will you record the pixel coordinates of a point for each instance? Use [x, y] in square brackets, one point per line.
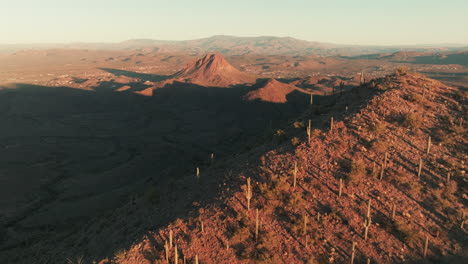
[232, 45]
[212, 70]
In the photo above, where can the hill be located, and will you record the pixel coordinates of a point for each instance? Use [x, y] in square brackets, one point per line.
[374, 146]
[212, 70]
[270, 90]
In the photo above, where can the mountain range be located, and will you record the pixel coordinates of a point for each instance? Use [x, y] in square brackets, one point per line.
[232, 45]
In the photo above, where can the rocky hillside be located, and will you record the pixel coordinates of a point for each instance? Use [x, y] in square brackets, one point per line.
[381, 179]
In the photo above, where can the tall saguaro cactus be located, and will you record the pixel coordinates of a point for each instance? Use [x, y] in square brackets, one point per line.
[420, 167]
[166, 249]
[367, 219]
[340, 188]
[353, 252]
[367, 224]
[426, 244]
[429, 144]
[248, 193]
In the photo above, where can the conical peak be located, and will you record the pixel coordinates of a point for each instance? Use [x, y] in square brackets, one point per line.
[212, 70]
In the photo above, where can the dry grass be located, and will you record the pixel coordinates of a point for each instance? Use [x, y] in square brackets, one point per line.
[412, 120]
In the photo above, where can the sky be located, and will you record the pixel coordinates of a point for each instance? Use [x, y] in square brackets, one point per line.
[366, 22]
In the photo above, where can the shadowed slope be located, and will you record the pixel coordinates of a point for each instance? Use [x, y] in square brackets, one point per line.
[270, 90]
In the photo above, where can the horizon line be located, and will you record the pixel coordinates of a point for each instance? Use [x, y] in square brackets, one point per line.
[234, 36]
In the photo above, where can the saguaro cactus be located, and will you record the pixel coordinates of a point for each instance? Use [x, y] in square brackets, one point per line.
[170, 238]
[212, 158]
[196, 258]
[367, 219]
[331, 123]
[198, 173]
[176, 255]
[393, 211]
[353, 252]
[426, 244]
[420, 167]
[248, 193]
[428, 144]
[166, 249]
[367, 224]
[309, 131]
[305, 224]
[341, 188]
[311, 99]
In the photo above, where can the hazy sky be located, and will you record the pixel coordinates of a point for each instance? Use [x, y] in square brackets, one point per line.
[337, 21]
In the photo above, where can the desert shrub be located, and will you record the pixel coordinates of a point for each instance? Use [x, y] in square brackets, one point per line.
[295, 141]
[380, 145]
[381, 87]
[291, 221]
[275, 188]
[356, 171]
[403, 180]
[443, 198]
[77, 260]
[412, 120]
[280, 135]
[417, 98]
[442, 136]
[402, 70]
[262, 251]
[240, 234]
[379, 128]
[119, 254]
[316, 132]
[294, 200]
[406, 231]
[298, 124]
